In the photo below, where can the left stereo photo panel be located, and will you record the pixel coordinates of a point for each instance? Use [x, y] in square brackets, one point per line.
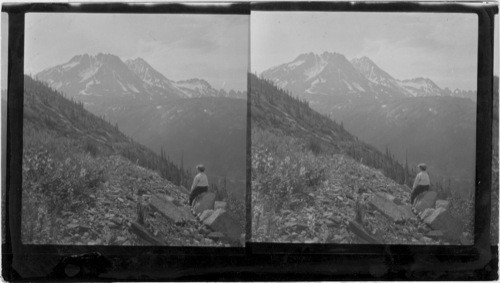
[134, 129]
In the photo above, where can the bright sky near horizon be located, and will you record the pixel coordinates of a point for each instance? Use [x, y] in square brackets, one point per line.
[180, 46]
[442, 47]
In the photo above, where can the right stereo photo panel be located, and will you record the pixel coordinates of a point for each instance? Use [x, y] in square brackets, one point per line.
[363, 127]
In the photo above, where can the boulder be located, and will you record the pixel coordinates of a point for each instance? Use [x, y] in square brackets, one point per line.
[220, 204]
[387, 196]
[426, 213]
[442, 203]
[361, 234]
[222, 221]
[169, 209]
[216, 236]
[425, 200]
[435, 234]
[203, 202]
[406, 211]
[387, 208]
[442, 220]
[398, 201]
[205, 214]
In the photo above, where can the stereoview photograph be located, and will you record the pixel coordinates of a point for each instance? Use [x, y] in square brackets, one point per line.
[363, 127]
[135, 129]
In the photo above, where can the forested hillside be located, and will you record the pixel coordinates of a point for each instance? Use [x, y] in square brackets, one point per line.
[277, 110]
[84, 181]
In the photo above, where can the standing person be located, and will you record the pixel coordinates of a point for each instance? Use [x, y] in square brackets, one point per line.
[422, 182]
[200, 184]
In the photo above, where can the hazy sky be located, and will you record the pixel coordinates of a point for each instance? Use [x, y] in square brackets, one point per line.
[442, 47]
[211, 47]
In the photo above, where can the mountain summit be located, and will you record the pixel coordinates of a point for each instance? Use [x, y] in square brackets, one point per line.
[330, 76]
[93, 75]
[325, 74]
[153, 81]
[97, 79]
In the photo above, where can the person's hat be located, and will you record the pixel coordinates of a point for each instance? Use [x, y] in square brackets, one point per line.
[200, 167]
[422, 166]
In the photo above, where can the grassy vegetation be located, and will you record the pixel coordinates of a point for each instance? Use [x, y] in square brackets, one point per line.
[283, 169]
[59, 175]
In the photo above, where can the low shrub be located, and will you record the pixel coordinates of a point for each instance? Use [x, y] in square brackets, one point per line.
[56, 177]
[283, 168]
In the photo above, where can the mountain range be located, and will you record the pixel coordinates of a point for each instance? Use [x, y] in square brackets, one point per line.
[415, 118]
[97, 79]
[321, 77]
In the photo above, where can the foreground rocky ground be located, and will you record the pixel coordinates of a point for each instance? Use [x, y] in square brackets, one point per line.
[111, 214]
[357, 204]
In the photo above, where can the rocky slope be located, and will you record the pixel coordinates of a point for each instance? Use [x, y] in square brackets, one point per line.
[84, 182]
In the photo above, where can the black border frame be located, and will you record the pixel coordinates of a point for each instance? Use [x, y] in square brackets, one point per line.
[259, 261]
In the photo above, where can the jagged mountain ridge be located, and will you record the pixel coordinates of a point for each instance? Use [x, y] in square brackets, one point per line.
[153, 81]
[90, 78]
[313, 75]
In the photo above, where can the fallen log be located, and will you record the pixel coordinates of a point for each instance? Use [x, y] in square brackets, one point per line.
[360, 232]
[145, 235]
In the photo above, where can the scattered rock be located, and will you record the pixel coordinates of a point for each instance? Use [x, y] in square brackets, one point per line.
[203, 202]
[442, 220]
[442, 203]
[360, 232]
[387, 196]
[216, 236]
[398, 201]
[168, 209]
[426, 213]
[205, 214]
[407, 212]
[435, 234]
[223, 222]
[220, 204]
[387, 208]
[425, 200]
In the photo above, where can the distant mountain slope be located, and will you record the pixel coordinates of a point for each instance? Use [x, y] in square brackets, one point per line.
[153, 81]
[82, 177]
[437, 130]
[208, 130]
[275, 110]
